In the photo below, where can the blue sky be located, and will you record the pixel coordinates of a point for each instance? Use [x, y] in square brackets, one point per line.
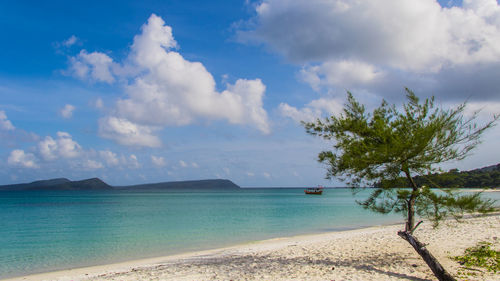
[175, 90]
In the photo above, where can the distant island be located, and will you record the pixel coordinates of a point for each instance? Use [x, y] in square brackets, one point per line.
[98, 184]
[486, 177]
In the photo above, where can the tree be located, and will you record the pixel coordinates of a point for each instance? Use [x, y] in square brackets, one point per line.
[389, 143]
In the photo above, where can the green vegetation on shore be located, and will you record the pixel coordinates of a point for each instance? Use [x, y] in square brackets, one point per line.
[479, 256]
[487, 177]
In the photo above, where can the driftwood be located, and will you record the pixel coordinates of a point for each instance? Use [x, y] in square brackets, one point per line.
[431, 261]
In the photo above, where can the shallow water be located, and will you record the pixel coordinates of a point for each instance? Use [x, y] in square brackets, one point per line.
[45, 231]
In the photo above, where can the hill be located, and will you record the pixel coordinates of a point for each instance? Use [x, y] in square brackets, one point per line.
[59, 184]
[486, 177]
[88, 184]
[98, 184]
[217, 184]
[35, 184]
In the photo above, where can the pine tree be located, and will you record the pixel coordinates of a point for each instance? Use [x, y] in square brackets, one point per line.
[390, 143]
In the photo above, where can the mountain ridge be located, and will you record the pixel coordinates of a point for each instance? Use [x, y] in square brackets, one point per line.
[98, 184]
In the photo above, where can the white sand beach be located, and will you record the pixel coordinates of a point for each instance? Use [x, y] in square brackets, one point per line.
[375, 253]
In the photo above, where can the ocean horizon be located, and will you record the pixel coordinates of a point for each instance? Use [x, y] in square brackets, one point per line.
[45, 231]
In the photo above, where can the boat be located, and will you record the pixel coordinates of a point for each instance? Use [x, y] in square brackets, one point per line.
[314, 191]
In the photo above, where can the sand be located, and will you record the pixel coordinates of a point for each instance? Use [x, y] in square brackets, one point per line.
[375, 253]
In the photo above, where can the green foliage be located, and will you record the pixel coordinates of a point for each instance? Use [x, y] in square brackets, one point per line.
[479, 178]
[383, 146]
[481, 256]
[429, 204]
[386, 143]
[436, 206]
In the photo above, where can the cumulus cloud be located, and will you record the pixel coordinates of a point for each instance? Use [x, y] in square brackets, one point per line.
[379, 46]
[19, 158]
[306, 114]
[67, 111]
[90, 164]
[313, 110]
[95, 66]
[5, 124]
[133, 162]
[126, 132]
[166, 95]
[164, 89]
[405, 34]
[345, 73]
[61, 147]
[52, 153]
[109, 157]
[158, 161]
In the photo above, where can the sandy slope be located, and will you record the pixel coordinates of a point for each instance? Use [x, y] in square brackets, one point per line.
[375, 253]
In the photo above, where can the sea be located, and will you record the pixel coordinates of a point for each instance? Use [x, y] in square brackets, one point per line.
[42, 231]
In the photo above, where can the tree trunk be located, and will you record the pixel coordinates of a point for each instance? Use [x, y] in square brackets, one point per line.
[434, 265]
[410, 221]
[410, 217]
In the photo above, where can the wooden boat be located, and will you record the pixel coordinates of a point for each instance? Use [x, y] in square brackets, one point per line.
[314, 191]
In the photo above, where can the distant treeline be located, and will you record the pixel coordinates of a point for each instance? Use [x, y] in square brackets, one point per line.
[487, 177]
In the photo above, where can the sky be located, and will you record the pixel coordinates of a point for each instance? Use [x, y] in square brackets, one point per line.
[151, 91]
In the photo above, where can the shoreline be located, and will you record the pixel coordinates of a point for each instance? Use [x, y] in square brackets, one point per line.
[372, 253]
[204, 251]
[83, 272]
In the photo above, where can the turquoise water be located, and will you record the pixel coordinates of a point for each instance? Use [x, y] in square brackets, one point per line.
[46, 231]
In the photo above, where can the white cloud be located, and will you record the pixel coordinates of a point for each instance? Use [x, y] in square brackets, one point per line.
[313, 110]
[4, 122]
[380, 47]
[63, 46]
[47, 148]
[160, 89]
[67, 147]
[133, 161]
[109, 157]
[266, 175]
[72, 40]
[21, 159]
[63, 146]
[343, 72]
[405, 34]
[164, 93]
[127, 133]
[305, 114]
[94, 66]
[250, 174]
[158, 161]
[195, 165]
[92, 165]
[67, 111]
[183, 164]
[485, 110]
